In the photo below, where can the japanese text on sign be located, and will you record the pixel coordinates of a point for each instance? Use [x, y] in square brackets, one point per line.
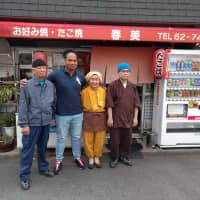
[30, 31]
[98, 32]
[159, 64]
[45, 32]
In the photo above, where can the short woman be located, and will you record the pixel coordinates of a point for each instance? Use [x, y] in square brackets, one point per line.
[94, 121]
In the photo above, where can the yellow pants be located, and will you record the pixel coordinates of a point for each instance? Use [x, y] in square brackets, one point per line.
[93, 143]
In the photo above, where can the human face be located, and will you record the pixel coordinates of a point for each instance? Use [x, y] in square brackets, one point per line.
[124, 74]
[71, 62]
[94, 82]
[40, 72]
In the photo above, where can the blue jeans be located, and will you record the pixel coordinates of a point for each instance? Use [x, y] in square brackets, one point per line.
[69, 124]
[38, 135]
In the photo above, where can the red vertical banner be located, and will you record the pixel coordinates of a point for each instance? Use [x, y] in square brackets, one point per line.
[40, 55]
[159, 63]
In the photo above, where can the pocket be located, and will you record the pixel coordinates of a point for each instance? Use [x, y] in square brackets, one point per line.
[26, 141]
[48, 115]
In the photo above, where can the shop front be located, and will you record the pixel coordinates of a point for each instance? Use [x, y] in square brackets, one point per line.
[100, 47]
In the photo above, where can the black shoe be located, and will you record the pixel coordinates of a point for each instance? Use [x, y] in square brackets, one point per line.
[90, 166]
[58, 167]
[114, 163]
[125, 161]
[80, 163]
[97, 162]
[98, 165]
[25, 185]
[47, 173]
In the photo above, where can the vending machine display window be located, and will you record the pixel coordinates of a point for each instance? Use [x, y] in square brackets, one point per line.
[177, 110]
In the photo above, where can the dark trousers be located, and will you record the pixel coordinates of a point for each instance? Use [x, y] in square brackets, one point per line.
[38, 135]
[120, 142]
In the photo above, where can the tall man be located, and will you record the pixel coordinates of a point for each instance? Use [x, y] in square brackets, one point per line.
[122, 105]
[68, 82]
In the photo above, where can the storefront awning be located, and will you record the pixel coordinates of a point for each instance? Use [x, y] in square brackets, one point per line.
[98, 32]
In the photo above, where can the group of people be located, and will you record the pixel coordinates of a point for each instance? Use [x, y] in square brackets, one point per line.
[78, 105]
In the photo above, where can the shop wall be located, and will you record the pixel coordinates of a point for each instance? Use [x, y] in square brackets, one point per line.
[106, 59]
[7, 70]
[145, 11]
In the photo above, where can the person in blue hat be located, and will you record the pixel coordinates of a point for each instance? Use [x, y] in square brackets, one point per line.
[122, 106]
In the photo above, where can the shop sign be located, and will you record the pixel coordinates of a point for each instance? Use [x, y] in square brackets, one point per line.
[98, 32]
[159, 63]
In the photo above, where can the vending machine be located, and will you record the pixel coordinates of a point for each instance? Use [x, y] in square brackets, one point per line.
[176, 106]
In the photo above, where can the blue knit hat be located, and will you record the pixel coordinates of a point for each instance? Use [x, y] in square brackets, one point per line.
[123, 66]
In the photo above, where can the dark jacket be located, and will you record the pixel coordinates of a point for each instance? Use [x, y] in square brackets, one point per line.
[36, 104]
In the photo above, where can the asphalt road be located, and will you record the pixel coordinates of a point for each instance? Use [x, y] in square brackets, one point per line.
[156, 176]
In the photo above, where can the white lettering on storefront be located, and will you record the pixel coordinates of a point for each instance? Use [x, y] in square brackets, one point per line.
[30, 31]
[61, 33]
[116, 34]
[164, 36]
[135, 35]
[78, 33]
[44, 32]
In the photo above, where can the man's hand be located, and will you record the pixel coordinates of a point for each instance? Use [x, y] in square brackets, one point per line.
[53, 122]
[110, 123]
[26, 130]
[23, 82]
[135, 122]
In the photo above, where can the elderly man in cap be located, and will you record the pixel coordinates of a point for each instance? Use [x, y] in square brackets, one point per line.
[94, 121]
[36, 109]
[122, 106]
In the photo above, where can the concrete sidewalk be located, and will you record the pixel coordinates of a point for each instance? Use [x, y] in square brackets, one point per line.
[146, 150]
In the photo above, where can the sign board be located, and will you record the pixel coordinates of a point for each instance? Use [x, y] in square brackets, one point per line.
[98, 32]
